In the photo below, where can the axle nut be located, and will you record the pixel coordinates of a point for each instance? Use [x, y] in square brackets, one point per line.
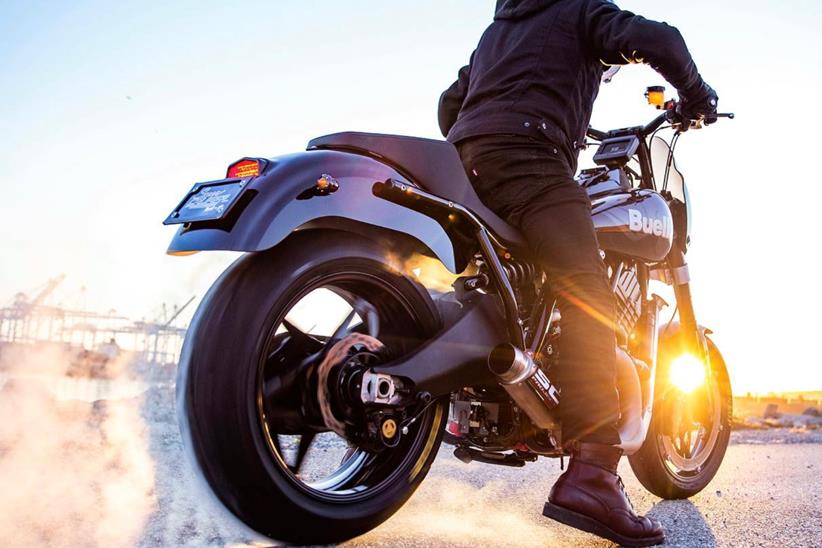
[389, 428]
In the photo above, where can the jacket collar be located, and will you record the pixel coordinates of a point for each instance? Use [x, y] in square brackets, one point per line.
[519, 9]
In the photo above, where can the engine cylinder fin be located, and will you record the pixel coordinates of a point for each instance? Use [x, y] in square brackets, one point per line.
[628, 293]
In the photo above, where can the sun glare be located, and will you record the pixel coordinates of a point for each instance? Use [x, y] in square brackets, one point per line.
[687, 373]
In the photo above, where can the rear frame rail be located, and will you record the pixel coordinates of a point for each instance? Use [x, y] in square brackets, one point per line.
[453, 216]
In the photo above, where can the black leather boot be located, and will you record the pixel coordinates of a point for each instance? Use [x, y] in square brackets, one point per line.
[591, 496]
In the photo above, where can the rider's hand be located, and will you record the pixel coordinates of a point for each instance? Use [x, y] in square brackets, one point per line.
[701, 108]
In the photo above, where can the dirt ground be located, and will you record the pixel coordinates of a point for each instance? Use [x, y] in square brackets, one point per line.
[130, 483]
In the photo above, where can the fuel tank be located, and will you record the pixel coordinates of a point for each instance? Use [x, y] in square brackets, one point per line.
[636, 223]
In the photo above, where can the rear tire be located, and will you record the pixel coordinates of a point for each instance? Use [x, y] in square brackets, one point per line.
[658, 465]
[219, 398]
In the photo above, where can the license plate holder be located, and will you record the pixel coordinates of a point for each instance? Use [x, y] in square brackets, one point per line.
[208, 201]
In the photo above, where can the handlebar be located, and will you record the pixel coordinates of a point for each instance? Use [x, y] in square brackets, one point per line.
[596, 134]
[669, 116]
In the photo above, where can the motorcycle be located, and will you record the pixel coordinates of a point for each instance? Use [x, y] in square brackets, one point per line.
[323, 370]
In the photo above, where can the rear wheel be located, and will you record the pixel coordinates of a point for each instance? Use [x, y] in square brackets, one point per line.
[689, 432]
[248, 388]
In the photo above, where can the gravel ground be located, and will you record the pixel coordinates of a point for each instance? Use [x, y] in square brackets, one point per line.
[767, 493]
[764, 495]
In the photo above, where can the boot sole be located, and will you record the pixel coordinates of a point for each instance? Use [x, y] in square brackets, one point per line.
[590, 525]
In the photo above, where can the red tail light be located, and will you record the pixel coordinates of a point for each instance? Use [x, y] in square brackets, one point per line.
[244, 168]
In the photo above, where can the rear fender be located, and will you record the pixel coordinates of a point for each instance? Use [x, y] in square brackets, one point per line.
[283, 201]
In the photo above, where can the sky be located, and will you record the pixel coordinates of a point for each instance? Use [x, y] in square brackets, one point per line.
[111, 110]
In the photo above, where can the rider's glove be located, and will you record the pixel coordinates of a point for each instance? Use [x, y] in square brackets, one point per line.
[699, 107]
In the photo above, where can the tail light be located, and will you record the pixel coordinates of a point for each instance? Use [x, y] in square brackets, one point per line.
[247, 167]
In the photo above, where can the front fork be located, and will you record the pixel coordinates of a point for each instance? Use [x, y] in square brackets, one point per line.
[680, 279]
[682, 412]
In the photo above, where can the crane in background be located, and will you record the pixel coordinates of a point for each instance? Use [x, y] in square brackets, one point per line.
[32, 321]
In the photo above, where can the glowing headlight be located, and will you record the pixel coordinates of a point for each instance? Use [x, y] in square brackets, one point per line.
[687, 373]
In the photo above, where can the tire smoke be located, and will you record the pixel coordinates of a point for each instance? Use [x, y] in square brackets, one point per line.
[464, 511]
[74, 462]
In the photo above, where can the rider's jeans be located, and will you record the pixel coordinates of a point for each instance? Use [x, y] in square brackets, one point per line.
[525, 181]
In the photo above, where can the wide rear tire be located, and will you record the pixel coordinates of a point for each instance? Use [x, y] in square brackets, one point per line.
[219, 396]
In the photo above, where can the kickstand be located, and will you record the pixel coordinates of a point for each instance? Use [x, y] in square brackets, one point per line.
[562, 463]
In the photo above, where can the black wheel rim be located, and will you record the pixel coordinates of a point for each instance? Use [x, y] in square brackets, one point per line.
[321, 464]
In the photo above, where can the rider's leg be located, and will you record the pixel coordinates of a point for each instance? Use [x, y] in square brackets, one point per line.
[524, 181]
[589, 495]
[557, 224]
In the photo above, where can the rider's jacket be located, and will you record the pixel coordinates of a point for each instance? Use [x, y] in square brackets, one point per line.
[538, 67]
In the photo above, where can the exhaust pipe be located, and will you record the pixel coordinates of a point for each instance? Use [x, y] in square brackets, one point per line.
[526, 383]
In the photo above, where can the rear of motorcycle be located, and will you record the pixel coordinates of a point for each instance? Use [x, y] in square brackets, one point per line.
[273, 372]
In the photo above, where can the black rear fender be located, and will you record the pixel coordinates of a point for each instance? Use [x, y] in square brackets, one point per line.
[283, 201]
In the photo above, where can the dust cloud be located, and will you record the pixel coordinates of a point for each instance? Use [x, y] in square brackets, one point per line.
[456, 512]
[75, 470]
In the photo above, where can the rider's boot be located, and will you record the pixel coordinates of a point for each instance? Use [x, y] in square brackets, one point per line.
[591, 496]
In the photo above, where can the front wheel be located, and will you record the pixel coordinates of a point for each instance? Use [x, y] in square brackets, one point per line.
[248, 394]
[689, 431]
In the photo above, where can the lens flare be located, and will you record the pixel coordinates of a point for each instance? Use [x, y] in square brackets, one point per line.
[687, 373]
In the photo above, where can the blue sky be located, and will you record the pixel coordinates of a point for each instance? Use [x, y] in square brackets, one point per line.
[111, 110]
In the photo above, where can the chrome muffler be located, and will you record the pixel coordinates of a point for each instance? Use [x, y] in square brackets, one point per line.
[526, 383]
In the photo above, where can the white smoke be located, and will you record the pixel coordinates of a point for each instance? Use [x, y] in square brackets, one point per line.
[72, 472]
[453, 511]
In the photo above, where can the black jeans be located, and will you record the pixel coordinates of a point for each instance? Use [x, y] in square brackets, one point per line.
[525, 181]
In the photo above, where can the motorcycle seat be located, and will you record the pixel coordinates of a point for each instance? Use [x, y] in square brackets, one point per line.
[434, 165]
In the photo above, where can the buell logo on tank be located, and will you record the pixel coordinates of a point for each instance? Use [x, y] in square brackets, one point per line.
[637, 222]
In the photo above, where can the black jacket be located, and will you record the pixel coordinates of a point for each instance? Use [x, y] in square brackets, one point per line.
[538, 67]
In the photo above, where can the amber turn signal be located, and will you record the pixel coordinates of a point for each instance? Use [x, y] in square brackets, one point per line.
[326, 185]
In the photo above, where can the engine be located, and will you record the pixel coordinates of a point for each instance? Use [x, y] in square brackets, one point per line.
[485, 422]
[487, 426]
[479, 417]
[628, 293]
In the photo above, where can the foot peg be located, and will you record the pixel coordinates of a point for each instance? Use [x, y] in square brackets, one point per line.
[468, 455]
[526, 383]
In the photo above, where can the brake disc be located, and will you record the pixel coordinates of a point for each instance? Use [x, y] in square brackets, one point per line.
[336, 356]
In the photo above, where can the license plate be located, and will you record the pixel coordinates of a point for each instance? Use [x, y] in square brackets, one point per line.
[207, 202]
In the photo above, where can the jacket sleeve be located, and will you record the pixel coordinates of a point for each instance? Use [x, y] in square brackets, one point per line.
[619, 37]
[452, 98]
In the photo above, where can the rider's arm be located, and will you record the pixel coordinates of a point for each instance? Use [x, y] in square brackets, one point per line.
[619, 37]
[452, 98]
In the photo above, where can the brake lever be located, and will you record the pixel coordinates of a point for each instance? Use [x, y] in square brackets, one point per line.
[700, 123]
